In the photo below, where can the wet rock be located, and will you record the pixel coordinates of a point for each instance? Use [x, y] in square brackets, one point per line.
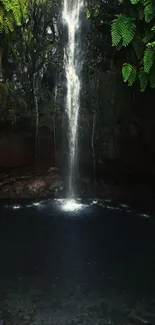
[56, 184]
[36, 185]
[18, 187]
[50, 183]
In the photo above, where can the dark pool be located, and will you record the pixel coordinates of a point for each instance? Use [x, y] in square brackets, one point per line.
[94, 265]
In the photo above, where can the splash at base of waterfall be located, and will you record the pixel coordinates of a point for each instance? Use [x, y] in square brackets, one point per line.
[71, 205]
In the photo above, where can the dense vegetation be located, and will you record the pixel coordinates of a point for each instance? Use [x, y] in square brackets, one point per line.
[134, 28]
[115, 36]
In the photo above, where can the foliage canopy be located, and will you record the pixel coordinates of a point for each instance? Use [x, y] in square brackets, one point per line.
[12, 12]
[134, 28]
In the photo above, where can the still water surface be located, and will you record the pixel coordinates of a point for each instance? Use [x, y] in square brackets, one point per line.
[93, 263]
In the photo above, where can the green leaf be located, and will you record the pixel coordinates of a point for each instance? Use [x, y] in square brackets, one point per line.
[148, 35]
[88, 14]
[149, 10]
[126, 71]
[11, 14]
[134, 2]
[143, 78]
[115, 32]
[152, 44]
[122, 28]
[149, 58]
[132, 77]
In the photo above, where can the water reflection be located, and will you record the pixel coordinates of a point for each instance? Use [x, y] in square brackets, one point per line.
[74, 206]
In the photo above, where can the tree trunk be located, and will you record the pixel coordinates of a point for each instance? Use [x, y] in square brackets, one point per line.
[93, 150]
[37, 120]
[55, 143]
[1, 68]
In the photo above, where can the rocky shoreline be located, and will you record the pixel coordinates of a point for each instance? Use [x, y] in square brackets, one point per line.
[50, 184]
[43, 184]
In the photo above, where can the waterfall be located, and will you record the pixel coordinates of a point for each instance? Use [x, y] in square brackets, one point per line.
[71, 18]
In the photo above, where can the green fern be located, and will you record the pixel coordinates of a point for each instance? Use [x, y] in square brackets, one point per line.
[116, 32]
[129, 73]
[144, 79]
[11, 14]
[132, 77]
[149, 58]
[123, 29]
[135, 26]
[126, 71]
[149, 10]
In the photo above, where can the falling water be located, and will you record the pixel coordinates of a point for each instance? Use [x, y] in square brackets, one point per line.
[71, 17]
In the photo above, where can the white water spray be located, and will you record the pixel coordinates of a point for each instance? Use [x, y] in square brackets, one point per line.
[71, 17]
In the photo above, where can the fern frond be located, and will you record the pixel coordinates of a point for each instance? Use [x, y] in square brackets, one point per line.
[144, 79]
[129, 73]
[149, 58]
[142, 39]
[126, 71]
[11, 13]
[149, 10]
[115, 32]
[123, 28]
[132, 77]
[8, 23]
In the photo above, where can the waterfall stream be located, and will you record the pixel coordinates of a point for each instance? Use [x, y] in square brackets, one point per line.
[71, 18]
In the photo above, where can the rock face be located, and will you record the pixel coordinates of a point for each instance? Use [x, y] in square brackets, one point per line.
[18, 150]
[47, 184]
